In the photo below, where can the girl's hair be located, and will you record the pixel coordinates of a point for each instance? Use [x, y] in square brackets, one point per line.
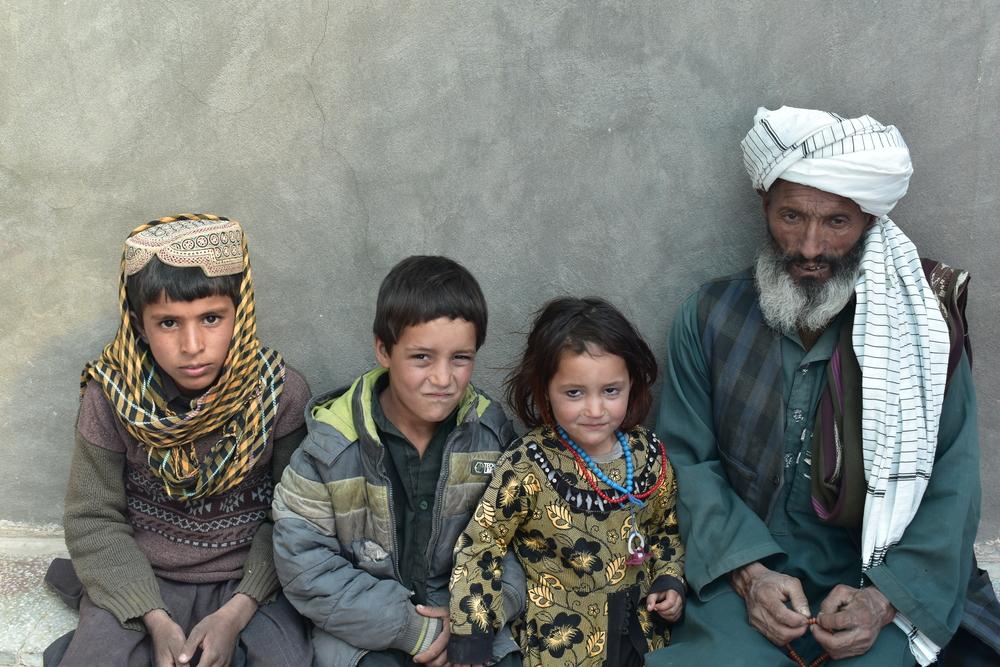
[569, 323]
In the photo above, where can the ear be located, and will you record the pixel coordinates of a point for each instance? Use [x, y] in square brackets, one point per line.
[871, 221]
[381, 353]
[137, 325]
[763, 200]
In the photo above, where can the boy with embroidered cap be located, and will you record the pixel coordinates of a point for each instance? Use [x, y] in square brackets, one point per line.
[368, 511]
[185, 422]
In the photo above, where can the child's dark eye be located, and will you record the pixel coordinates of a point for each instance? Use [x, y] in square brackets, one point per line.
[612, 391]
[464, 358]
[420, 357]
[574, 393]
[168, 324]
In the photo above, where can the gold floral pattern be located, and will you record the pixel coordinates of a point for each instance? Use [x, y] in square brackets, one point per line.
[574, 556]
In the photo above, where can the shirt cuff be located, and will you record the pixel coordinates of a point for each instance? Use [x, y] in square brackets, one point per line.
[667, 582]
[469, 650]
[418, 633]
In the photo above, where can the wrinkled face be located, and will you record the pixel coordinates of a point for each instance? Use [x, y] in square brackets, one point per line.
[189, 339]
[589, 397]
[429, 369]
[813, 229]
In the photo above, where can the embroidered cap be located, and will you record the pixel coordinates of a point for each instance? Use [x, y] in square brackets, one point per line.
[215, 244]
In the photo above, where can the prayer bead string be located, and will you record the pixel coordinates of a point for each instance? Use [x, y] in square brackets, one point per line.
[799, 660]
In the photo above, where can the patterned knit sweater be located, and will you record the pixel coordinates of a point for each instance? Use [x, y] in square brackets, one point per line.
[122, 528]
[583, 598]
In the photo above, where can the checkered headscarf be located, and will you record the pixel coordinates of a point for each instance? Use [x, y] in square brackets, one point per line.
[242, 403]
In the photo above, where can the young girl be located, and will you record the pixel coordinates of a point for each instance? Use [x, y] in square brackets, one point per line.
[585, 499]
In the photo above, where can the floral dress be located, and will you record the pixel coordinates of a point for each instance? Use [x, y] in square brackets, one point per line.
[583, 599]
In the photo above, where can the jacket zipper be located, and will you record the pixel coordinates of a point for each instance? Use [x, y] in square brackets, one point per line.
[392, 517]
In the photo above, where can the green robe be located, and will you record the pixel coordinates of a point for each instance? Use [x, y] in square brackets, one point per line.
[924, 576]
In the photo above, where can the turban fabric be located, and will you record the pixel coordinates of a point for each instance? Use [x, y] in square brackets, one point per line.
[899, 335]
[858, 158]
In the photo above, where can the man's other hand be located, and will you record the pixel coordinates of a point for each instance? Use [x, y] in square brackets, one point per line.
[850, 619]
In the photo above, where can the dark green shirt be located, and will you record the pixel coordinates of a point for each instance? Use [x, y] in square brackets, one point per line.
[413, 481]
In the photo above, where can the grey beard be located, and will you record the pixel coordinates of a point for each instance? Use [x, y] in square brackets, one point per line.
[810, 306]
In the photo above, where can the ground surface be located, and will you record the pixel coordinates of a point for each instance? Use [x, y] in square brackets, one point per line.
[31, 616]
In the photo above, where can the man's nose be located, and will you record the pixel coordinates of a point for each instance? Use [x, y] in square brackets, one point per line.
[811, 242]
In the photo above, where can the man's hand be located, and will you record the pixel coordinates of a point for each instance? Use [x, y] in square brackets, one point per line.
[668, 604]
[168, 638]
[849, 620]
[216, 633]
[767, 594]
[436, 654]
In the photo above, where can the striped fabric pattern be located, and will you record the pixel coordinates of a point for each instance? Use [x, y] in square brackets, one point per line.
[902, 344]
[242, 404]
[858, 158]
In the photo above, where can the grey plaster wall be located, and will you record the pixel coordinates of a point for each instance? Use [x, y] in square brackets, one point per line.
[552, 147]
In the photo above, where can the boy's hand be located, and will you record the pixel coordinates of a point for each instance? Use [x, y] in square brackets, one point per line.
[436, 654]
[216, 633]
[168, 638]
[668, 604]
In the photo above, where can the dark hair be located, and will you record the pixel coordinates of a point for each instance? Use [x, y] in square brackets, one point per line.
[568, 323]
[422, 288]
[178, 283]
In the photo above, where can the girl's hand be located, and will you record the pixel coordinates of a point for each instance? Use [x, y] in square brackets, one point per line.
[668, 604]
[216, 633]
[168, 638]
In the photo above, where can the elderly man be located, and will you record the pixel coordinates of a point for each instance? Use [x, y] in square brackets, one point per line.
[820, 414]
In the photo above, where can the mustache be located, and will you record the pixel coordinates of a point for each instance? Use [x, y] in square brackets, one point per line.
[837, 263]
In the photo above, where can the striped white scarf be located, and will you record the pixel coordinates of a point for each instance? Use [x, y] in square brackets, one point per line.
[901, 341]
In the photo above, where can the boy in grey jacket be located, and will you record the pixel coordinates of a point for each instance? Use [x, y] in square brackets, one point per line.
[368, 511]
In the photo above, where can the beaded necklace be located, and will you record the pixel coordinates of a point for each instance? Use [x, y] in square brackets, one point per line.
[636, 542]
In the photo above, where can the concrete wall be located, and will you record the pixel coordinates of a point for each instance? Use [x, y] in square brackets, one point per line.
[552, 147]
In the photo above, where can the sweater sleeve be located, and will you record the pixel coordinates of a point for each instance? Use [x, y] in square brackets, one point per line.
[720, 532]
[260, 580]
[114, 572]
[478, 609]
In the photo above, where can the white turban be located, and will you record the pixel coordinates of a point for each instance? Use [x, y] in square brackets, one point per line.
[858, 158]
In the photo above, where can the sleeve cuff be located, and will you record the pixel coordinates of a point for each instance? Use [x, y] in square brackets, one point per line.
[667, 582]
[468, 650]
[418, 633]
[260, 579]
[899, 597]
[714, 580]
[130, 604]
